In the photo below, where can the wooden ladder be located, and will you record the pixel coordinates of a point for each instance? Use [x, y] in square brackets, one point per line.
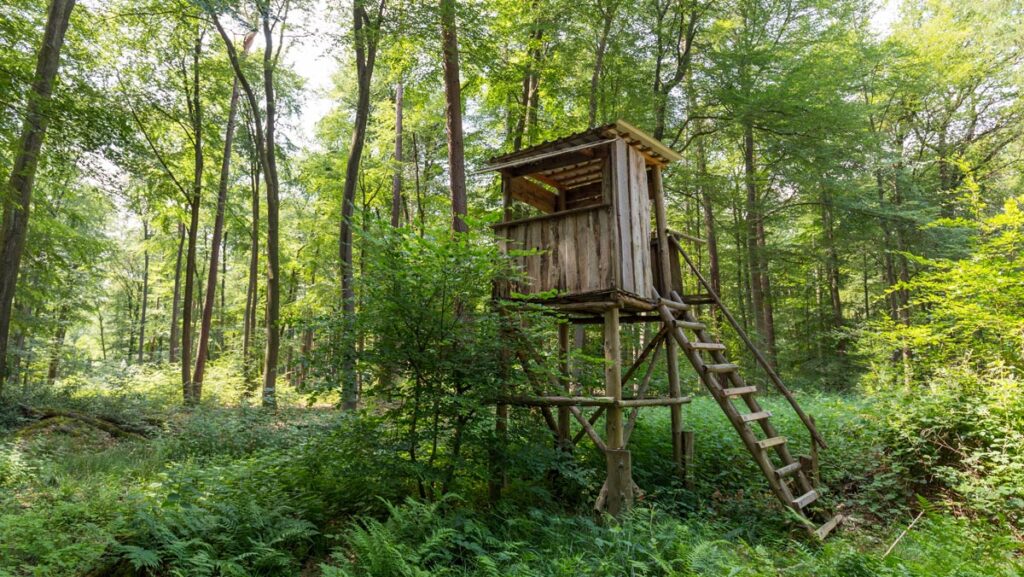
[792, 483]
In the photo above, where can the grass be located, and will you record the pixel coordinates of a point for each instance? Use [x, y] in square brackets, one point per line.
[236, 491]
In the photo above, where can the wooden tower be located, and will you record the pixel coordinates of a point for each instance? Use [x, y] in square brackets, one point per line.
[590, 209]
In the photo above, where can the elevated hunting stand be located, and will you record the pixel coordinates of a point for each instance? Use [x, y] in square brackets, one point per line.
[594, 258]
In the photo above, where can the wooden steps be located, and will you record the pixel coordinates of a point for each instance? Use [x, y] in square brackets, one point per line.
[738, 391]
[698, 346]
[787, 470]
[758, 416]
[829, 526]
[771, 442]
[806, 499]
[787, 475]
[693, 326]
[722, 368]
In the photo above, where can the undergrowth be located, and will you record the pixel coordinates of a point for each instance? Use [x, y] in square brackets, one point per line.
[237, 491]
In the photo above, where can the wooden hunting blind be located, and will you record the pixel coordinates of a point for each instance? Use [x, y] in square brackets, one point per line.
[584, 218]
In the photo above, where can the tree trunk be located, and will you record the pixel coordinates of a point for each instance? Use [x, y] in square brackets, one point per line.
[145, 291]
[753, 250]
[251, 297]
[193, 228]
[453, 115]
[103, 336]
[766, 290]
[218, 232]
[831, 258]
[273, 231]
[14, 227]
[172, 346]
[56, 348]
[396, 179]
[608, 15]
[366, 54]
[531, 79]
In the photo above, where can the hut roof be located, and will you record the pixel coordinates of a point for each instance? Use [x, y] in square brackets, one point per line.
[588, 168]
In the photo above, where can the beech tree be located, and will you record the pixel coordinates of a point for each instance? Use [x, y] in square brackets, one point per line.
[17, 198]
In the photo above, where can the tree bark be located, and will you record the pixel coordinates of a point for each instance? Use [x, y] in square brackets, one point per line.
[396, 179]
[56, 348]
[145, 291]
[527, 120]
[453, 115]
[196, 113]
[753, 252]
[266, 151]
[365, 43]
[14, 226]
[218, 233]
[607, 16]
[172, 346]
[831, 258]
[273, 231]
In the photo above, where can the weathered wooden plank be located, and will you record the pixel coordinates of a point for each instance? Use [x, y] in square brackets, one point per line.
[620, 194]
[572, 280]
[588, 259]
[605, 272]
[533, 194]
[635, 210]
[544, 243]
[532, 261]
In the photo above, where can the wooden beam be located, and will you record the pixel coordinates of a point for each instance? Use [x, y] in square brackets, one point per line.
[533, 194]
[556, 161]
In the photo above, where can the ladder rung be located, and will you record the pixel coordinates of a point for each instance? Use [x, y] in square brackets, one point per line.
[697, 346]
[828, 527]
[692, 325]
[737, 391]
[805, 499]
[758, 416]
[769, 443]
[788, 469]
[724, 368]
[675, 305]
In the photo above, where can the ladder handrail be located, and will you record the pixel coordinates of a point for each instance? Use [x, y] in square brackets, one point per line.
[772, 375]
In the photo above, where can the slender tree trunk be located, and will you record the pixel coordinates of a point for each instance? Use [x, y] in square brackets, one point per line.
[251, 297]
[103, 336]
[831, 258]
[17, 195]
[608, 15]
[172, 347]
[396, 179]
[56, 348]
[223, 293]
[145, 291]
[218, 233]
[753, 250]
[453, 115]
[273, 231]
[366, 55]
[766, 290]
[193, 228]
[531, 79]
[419, 194]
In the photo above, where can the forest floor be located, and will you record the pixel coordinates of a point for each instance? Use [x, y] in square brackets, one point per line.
[236, 491]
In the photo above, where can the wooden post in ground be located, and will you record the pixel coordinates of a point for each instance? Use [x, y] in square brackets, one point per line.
[671, 352]
[620, 475]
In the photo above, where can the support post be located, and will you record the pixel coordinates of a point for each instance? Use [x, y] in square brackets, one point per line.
[665, 288]
[620, 475]
[687, 443]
